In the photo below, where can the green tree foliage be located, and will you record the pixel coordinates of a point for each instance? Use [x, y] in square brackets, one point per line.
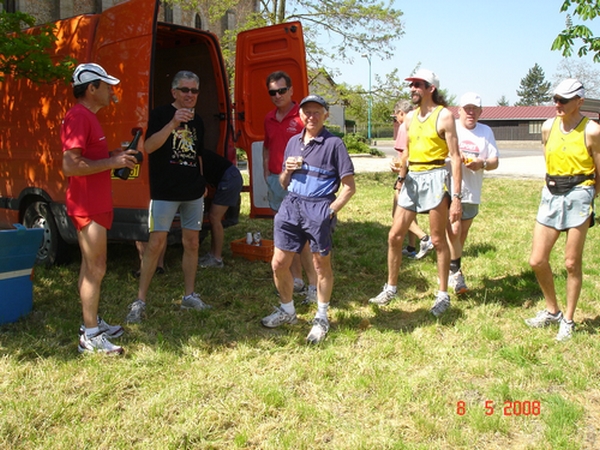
[534, 89]
[565, 41]
[25, 55]
[503, 101]
[363, 26]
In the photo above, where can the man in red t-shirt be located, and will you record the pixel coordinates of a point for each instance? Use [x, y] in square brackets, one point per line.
[87, 163]
[280, 125]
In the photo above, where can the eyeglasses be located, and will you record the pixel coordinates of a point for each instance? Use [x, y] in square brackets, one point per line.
[187, 90]
[562, 101]
[280, 91]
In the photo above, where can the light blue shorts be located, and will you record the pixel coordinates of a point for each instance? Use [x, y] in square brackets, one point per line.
[423, 191]
[565, 211]
[162, 212]
[469, 211]
[276, 192]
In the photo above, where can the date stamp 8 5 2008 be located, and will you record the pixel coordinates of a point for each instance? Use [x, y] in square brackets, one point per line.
[509, 408]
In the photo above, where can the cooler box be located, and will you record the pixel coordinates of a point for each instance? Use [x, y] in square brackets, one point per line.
[18, 250]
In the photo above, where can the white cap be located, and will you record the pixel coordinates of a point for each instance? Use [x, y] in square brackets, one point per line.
[88, 72]
[470, 98]
[425, 75]
[570, 88]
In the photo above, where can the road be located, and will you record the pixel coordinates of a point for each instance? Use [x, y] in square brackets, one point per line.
[525, 162]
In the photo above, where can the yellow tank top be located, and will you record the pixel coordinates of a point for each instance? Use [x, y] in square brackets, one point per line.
[567, 154]
[424, 142]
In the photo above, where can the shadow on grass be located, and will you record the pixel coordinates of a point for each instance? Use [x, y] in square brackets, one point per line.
[241, 294]
[589, 326]
[514, 290]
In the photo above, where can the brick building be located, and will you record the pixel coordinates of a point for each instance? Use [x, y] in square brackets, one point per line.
[51, 10]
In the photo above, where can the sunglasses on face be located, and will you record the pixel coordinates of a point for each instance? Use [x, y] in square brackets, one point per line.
[280, 91]
[419, 84]
[562, 101]
[187, 90]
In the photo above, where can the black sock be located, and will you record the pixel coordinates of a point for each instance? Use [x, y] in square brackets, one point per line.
[425, 238]
[455, 265]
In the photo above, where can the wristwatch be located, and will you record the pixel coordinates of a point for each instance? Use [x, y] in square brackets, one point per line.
[484, 164]
[457, 195]
[331, 213]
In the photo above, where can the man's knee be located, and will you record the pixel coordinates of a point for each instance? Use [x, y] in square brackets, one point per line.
[573, 265]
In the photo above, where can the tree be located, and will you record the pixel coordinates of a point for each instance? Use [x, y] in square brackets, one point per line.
[535, 90]
[24, 55]
[581, 70]
[362, 26]
[503, 101]
[565, 41]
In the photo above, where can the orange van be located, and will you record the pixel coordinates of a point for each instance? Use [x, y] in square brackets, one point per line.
[129, 42]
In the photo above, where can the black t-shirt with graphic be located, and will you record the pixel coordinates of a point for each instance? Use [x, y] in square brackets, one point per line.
[174, 167]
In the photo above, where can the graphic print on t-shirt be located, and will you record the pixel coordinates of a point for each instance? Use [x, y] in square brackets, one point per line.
[470, 150]
[183, 151]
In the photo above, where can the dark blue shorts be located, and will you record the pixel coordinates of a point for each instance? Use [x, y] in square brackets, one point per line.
[229, 188]
[301, 220]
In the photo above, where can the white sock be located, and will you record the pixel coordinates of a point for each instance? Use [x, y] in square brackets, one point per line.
[288, 308]
[390, 288]
[322, 311]
[91, 332]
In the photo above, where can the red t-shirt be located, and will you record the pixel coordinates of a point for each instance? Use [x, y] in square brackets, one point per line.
[277, 135]
[89, 194]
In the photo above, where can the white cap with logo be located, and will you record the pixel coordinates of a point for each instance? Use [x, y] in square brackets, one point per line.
[570, 88]
[425, 75]
[88, 72]
[470, 98]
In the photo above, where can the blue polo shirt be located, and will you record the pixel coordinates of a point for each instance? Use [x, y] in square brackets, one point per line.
[325, 163]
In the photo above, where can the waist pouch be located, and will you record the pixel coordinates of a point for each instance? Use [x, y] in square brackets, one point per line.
[561, 184]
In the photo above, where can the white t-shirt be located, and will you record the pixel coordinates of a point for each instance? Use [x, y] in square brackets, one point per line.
[478, 143]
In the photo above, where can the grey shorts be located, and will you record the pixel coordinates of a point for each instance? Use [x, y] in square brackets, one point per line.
[424, 191]
[469, 211]
[229, 188]
[162, 212]
[276, 192]
[569, 210]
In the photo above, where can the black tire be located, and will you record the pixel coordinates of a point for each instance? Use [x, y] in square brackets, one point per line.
[53, 249]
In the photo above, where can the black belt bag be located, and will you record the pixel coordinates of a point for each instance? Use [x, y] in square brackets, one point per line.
[559, 185]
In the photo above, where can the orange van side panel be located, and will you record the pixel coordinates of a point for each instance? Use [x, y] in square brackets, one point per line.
[30, 118]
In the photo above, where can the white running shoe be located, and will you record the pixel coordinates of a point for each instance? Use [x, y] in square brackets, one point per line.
[318, 331]
[193, 301]
[279, 317]
[384, 297]
[98, 343]
[442, 303]
[425, 248]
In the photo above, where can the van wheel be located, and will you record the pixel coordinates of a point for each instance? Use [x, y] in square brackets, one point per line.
[53, 249]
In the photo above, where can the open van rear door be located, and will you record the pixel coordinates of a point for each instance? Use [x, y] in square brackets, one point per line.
[260, 52]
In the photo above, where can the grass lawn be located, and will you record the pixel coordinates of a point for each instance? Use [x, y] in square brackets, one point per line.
[385, 378]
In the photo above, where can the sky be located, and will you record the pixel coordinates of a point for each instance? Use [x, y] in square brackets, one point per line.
[485, 46]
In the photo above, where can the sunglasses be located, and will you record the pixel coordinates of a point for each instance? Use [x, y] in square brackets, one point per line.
[187, 90]
[419, 84]
[281, 91]
[562, 101]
